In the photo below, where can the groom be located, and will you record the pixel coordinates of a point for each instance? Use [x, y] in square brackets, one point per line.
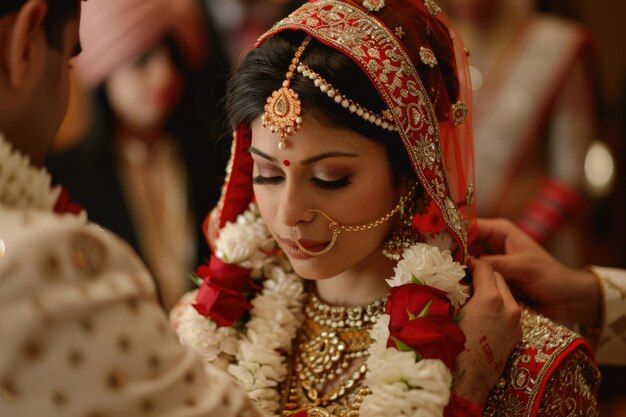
[80, 332]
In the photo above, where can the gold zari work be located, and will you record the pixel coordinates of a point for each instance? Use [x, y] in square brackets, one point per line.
[575, 378]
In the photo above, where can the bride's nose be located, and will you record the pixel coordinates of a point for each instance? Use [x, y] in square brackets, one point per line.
[294, 205]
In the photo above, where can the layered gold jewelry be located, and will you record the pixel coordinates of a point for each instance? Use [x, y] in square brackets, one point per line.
[336, 228]
[328, 353]
[343, 317]
[283, 108]
[384, 120]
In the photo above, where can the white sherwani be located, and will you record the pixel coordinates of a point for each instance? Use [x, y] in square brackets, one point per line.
[611, 348]
[81, 334]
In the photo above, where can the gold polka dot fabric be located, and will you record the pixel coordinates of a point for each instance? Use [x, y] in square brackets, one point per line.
[82, 336]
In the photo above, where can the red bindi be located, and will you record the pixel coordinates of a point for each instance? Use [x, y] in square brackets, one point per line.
[286, 162]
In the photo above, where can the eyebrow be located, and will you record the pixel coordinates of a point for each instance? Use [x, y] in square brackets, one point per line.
[307, 161]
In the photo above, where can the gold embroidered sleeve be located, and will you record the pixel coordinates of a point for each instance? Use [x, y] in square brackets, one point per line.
[572, 389]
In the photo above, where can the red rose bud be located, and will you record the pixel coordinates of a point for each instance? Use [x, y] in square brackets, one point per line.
[222, 296]
[407, 301]
[64, 205]
[421, 318]
[226, 275]
[223, 305]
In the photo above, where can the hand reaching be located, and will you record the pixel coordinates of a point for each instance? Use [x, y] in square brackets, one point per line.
[556, 291]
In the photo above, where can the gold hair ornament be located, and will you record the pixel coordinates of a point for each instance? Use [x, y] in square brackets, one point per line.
[384, 120]
[283, 108]
[337, 227]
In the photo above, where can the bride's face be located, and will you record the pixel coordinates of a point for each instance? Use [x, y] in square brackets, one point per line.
[337, 171]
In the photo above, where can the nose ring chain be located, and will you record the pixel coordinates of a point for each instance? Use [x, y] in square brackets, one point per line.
[337, 227]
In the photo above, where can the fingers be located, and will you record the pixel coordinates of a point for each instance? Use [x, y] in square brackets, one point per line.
[482, 276]
[513, 311]
[494, 233]
[511, 266]
[502, 236]
[504, 290]
[490, 285]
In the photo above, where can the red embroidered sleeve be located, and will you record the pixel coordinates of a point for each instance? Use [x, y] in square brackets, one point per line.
[572, 388]
[460, 407]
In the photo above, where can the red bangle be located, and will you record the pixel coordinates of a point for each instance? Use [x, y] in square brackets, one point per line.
[460, 407]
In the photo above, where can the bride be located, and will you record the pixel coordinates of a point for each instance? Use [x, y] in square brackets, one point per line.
[340, 241]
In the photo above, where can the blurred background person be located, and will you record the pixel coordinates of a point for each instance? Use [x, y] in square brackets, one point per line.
[535, 116]
[147, 167]
[241, 22]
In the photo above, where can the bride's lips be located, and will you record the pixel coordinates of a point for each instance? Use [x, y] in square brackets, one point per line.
[293, 251]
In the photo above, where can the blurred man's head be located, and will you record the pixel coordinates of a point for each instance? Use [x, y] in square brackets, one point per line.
[37, 39]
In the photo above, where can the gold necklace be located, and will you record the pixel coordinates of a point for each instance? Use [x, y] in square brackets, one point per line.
[329, 352]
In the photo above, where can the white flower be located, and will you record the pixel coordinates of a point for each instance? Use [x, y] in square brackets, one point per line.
[237, 244]
[267, 333]
[380, 334]
[403, 387]
[432, 267]
[444, 241]
[246, 241]
[398, 400]
[23, 185]
[275, 317]
[215, 345]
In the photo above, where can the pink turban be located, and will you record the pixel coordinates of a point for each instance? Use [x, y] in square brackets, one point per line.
[113, 32]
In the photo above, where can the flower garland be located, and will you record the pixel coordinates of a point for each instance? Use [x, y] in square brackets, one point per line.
[21, 184]
[414, 344]
[25, 186]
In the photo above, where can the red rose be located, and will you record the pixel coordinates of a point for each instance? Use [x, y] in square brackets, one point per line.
[226, 275]
[433, 335]
[64, 205]
[222, 296]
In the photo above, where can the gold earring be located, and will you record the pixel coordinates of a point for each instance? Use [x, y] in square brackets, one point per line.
[405, 237]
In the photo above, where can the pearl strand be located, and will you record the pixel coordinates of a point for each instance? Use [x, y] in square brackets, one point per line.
[384, 121]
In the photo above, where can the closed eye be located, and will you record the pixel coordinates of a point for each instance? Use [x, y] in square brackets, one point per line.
[331, 185]
[261, 180]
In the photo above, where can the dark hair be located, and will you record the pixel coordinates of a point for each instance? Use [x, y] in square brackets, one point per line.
[59, 13]
[263, 71]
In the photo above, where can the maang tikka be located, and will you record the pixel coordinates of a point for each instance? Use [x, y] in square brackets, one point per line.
[283, 108]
